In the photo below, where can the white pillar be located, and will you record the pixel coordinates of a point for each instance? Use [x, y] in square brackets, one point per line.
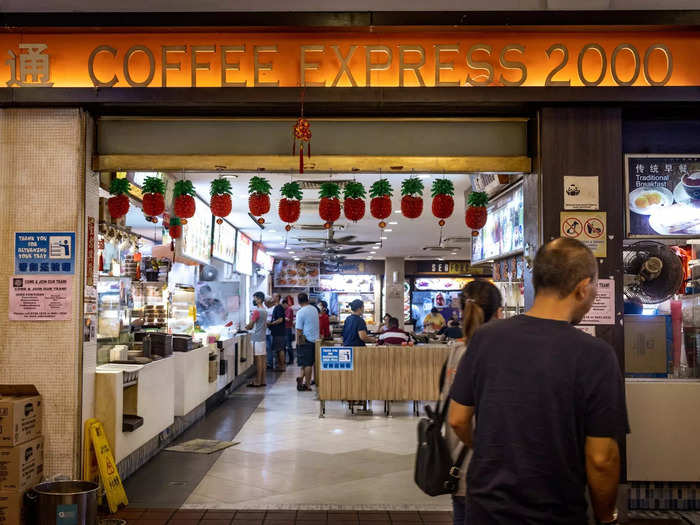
[394, 277]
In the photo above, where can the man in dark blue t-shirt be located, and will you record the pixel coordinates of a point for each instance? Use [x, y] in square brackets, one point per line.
[355, 328]
[549, 405]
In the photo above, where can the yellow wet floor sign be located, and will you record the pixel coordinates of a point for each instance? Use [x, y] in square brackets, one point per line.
[99, 464]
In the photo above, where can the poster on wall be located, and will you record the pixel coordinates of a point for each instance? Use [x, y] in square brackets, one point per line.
[244, 255]
[663, 195]
[41, 298]
[45, 253]
[347, 283]
[589, 227]
[603, 309]
[503, 233]
[297, 274]
[581, 193]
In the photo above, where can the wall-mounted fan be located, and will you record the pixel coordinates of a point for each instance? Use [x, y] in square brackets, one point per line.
[208, 273]
[653, 272]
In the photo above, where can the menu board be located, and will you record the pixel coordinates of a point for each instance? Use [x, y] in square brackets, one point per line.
[224, 242]
[244, 255]
[347, 283]
[663, 195]
[297, 274]
[441, 283]
[503, 233]
[263, 258]
[196, 234]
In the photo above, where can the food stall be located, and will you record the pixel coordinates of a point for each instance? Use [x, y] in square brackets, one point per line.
[338, 290]
[436, 292]
[661, 288]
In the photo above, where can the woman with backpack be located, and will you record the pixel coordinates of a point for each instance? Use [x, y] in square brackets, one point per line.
[481, 301]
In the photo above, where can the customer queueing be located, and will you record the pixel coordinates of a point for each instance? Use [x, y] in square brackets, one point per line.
[481, 302]
[257, 327]
[289, 325]
[549, 404]
[324, 321]
[307, 326]
[278, 331]
[355, 328]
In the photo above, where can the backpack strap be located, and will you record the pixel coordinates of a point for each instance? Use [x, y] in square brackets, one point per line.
[456, 469]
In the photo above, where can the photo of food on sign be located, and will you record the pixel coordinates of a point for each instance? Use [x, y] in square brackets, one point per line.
[663, 195]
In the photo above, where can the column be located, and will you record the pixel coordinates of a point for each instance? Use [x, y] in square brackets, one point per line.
[394, 276]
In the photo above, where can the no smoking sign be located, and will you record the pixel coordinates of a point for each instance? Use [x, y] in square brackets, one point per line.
[589, 227]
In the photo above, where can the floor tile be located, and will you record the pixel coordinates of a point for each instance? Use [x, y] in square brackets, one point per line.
[183, 522]
[151, 521]
[220, 514]
[215, 522]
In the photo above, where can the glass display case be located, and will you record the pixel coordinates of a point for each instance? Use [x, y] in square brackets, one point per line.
[345, 298]
[114, 304]
[182, 310]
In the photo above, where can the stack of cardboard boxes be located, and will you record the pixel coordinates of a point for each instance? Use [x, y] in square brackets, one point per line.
[21, 448]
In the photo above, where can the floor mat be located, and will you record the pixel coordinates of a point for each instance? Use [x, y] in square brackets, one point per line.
[202, 446]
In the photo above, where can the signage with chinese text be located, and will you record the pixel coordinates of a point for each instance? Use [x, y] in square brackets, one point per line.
[663, 195]
[45, 252]
[336, 59]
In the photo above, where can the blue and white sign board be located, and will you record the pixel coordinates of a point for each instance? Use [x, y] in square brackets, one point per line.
[45, 252]
[337, 358]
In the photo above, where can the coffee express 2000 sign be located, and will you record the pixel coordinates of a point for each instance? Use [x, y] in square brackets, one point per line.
[411, 59]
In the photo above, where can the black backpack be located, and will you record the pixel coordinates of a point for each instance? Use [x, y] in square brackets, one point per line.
[435, 472]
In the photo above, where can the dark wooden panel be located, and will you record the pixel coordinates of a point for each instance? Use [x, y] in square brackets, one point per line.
[661, 136]
[587, 141]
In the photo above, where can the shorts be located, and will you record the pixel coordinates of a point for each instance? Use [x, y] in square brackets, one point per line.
[278, 343]
[306, 354]
[259, 348]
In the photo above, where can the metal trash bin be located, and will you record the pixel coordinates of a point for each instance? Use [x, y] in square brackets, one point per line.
[66, 503]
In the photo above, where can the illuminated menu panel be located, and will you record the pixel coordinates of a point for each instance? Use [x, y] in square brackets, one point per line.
[196, 234]
[503, 233]
[264, 259]
[224, 242]
[244, 255]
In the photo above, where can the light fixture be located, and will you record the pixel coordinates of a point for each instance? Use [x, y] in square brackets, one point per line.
[384, 238]
[372, 253]
[397, 211]
[291, 253]
[271, 231]
[389, 230]
[393, 223]
[424, 176]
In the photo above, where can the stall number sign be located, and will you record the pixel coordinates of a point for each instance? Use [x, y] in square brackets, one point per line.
[587, 227]
[45, 253]
[337, 358]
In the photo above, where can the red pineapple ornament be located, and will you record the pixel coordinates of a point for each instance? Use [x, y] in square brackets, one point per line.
[259, 197]
[477, 213]
[118, 204]
[354, 203]
[302, 133]
[175, 230]
[153, 198]
[380, 205]
[329, 206]
[220, 200]
[290, 204]
[184, 205]
[443, 191]
[412, 198]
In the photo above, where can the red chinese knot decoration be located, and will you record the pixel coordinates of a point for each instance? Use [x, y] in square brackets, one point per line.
[302, 133]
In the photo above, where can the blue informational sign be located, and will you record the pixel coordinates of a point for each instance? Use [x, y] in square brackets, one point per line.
[337, 358]
[45, 252]
[67, 514]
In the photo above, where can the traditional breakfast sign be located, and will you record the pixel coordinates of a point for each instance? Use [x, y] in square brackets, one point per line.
[355, 59]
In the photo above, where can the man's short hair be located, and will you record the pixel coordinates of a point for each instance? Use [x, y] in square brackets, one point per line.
[303, 298]
[393, 322]
[259, 295]
[561, 264]
[433, 310]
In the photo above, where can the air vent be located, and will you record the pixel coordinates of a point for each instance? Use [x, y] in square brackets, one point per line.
[316, 183]
[457, 239]
[441, 248]
[318, 227]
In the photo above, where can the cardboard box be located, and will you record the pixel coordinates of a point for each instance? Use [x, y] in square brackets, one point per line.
[20, 414]
[22, 467]
[648, 345]
[10, 508]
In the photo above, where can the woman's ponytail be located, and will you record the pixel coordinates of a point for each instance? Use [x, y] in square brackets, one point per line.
[473, 318]
[480, 302]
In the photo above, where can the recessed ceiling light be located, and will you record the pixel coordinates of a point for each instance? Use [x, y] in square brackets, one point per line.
[389, 230]
[271, 231]
[370, 258]
[372, 253]
[296, 258]
[424, 176]
[454, 253]
[384, 238]
[397, 211]
[291, 253]
[393, 223]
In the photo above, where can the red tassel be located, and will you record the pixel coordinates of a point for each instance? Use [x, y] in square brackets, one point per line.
[308, 146]
[301, 159]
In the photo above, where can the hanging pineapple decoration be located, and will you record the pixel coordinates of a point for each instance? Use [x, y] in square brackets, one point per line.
[118, 204]
[477, 213]
[290, 204]
[329, 206]
[302, 133]
[354, 203]
[153, 198]
[259, 197]
[184, 205]
[175, 231]
[380, 205]
[412, 197]
[220, 200]
[443, 191]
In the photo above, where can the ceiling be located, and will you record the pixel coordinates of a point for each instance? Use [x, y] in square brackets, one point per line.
[404, 237]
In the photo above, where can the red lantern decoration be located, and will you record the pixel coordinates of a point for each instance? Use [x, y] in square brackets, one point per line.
[477, 214]
[302, 133]
[412, 199]
[354, 203]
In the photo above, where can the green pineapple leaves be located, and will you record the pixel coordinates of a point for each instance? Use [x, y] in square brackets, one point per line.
[381, 188]
[478, 199]
[119, 187]
[329, 190]
[412, 186]
[183, 187]
[292, 190]
[354, 190]
[220, 186]
[154, 185]
[259, 185]
[442, 187]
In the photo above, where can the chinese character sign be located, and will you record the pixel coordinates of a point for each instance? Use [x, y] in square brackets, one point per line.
[45, 253]
[31, 67]
[663, 195]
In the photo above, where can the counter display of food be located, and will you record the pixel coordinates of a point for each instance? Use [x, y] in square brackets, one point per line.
[384, 373]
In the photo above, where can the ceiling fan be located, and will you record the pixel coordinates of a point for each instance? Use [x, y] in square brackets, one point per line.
[334, 250]
[331, 240]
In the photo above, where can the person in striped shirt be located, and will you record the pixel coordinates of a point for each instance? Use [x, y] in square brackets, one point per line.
[394, 335]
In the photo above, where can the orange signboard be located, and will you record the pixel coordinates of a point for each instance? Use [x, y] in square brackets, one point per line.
[386, 59]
